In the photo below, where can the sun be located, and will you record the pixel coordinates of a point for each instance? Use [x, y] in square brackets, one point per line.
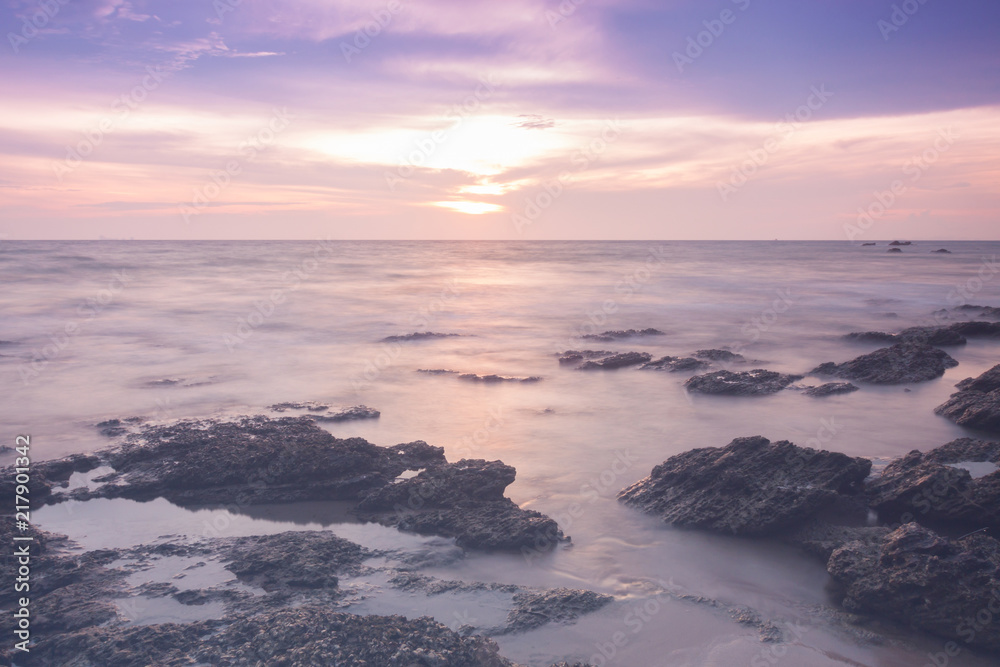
[469, 207]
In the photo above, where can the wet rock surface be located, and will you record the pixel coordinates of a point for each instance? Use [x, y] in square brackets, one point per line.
[475, 377]
[463, 500]
[621, 360]
[572, 357]
[676, 365]
[750, 487]
[900, 363]
[938, 488]
[924, 580]
[977, 404]
[300, 559]
[830, 389]
[560, 605]
[953, 334]
[618, 334]
[757, 382]
[725, 356]
[418, 335]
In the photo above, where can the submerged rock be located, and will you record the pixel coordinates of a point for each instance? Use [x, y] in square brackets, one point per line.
[830, 389]
[926, 581]
[419, 335]
[871, 337]
[894, 250]
[942, 250]
[750, 487]
[560, 605]
[955, 485]
[977, 404]
[294, 559]
[758, 382]
[903, 362]
[953, 334]
[617, 361]
[491, 379]
[618, 334]
[675, 365]
[725, 356]
[571, 357]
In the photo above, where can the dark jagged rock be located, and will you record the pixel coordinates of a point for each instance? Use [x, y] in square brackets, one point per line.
[350, 414]
[821, 539]
[676, 364]
[869, 244]
[894, 250]
[977, 329]
[757, 382]
[299, 637]
[311, 406]
[871, 337]
[924, 580]
[251, 461]
[463, 500]
[903, 362]
[725, 356]
[617, 361]
[437, 371]
[977, 405]
[901, 243]
[750, 487]
[560, 605]
[942, 250]
[492, 379]
[830, 389]
[983, 311]
[419, 335]
[571, 357]
[933, 489]
[296, 559]
[609, 336]
[931, 336]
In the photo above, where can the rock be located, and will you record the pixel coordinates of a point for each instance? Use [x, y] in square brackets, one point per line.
[725, 356]
[954, 334]
[463, 500]
[609, 336]
[492, 379]
[869, 244]
[931, 336]
[750, 487]
[419, 335]
[757, 382]
[676, 364]
[977, 405]
[934, 489]
[821, 539]
[617, 361]
[350, 414]
[894, 250]
[437, 371]
[982, 311]
[830, 389]
[303, 636]
[926, 581]
[871, 337]
[560, 605]
[571, 357]
[294, 559]
[941, 250]
[901, 243]
[903, 362]
[977, 329]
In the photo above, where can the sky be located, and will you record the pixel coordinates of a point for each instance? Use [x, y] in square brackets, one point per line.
[853, 120]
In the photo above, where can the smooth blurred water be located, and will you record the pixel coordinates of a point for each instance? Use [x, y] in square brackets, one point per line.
[236, 326]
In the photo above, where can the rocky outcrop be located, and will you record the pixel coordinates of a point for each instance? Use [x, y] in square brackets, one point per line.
[955, 485]
[463, 500]
[725, 356]
[533, 609]
[618, 334]
[758, 382]
[751, 487]
[418, 335]
[903, 362]
[977, 404]
[675, 365]
[830, 389]
[296, 559]
[573, 357]
[926, 581]
[953, 334]
[615, 361]
[894, 250]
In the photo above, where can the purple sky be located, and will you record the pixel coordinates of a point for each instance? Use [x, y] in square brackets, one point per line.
[676, 119]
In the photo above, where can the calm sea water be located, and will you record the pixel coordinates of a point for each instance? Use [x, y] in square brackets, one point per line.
[170, 330]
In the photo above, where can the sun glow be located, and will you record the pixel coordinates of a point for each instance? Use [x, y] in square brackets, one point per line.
[469, 207]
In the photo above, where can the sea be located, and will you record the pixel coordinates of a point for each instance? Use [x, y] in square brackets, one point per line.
[94, 330]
